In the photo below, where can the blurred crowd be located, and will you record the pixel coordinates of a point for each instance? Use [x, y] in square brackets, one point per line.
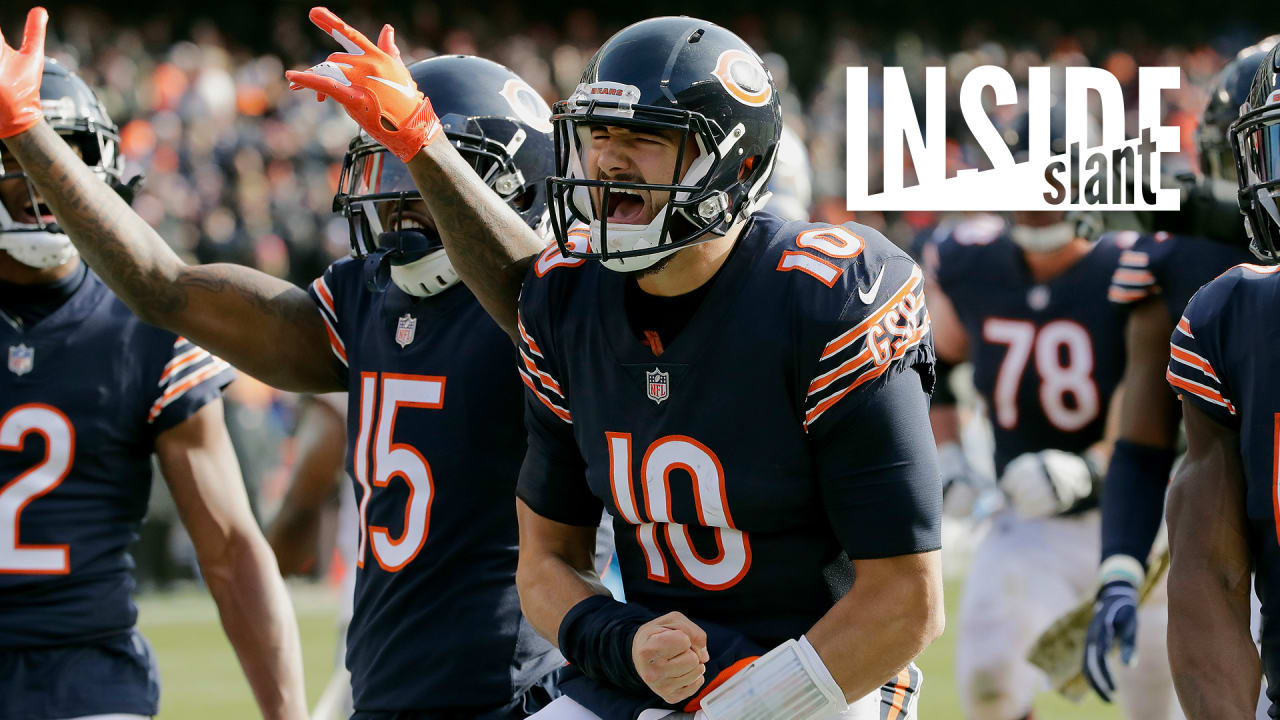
[239, 169]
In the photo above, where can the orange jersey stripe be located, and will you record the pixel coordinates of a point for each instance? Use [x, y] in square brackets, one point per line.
[547, 381]
[1189, 358]
[1133, 277]
[1185, 327]
[1199, 390]
[827, 378]
[867, 376]
[533, 346]
[194, 355]
[898, 708]
[1123, 295]
[326, 297]
[559, 411]
[181, 388]
[847, 338]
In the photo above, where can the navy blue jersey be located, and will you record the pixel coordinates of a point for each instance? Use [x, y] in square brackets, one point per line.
[434, 444]
[85, 393]
[1172, 267]
[1223, 359]
[1046, 357]
[744, 463]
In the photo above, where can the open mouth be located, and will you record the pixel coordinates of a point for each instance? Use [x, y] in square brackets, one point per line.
[409, 220]
[35, 214]
[626, 207]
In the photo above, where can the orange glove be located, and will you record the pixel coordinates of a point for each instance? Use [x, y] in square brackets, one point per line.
[373, 84]
[20, 73]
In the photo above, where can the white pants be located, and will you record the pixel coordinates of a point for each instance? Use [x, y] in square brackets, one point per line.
[1025, 575]
[873, 706]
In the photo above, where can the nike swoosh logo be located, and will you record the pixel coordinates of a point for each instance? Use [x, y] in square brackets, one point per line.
[869, 296]
[405, 89]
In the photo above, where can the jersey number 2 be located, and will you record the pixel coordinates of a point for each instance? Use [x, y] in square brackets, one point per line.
[1057, 380]
[59, 451]
[389, 393]
[678, 452]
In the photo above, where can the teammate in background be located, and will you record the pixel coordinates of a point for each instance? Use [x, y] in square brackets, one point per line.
[89, 394]
[1223, 521]
[434, 420]
[320, 454]
[1026, 303]
[1156, 277]
[747, 397]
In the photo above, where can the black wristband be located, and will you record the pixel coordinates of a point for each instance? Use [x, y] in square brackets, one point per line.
[1133, 499]
[596, 635]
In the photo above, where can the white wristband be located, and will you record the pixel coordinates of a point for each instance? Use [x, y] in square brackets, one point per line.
[1121, 567]
[790, 682]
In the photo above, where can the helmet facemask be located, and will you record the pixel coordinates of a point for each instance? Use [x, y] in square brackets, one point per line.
[1255, 141]
[695, 210]
[42, 244]
[408, 250]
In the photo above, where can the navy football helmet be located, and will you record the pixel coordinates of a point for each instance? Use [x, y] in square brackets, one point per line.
[496, 121]
[667, 74]
[75, 113]
[1255, 143]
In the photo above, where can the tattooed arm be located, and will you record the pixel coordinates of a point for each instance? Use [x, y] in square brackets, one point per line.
[264, 325]
[487, 242]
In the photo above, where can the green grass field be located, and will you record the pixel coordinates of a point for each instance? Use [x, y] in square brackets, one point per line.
[202, 679]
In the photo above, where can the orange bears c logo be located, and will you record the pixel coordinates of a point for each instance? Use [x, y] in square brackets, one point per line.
[527, 104]
[744, 77]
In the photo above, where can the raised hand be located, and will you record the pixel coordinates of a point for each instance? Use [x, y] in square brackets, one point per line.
[373, 84]
[20, 72]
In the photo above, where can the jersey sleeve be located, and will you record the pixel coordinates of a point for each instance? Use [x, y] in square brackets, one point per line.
[190, 379]
[879, 332]
[322, 293]
[553, 476]
[1199, 357]
[1134, 278]
[866, 397]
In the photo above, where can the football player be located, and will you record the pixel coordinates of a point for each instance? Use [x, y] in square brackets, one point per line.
[1026, 303]
[89, 394]
[1222, 511]
[746, 396]
[1157, 275]
[434, 418]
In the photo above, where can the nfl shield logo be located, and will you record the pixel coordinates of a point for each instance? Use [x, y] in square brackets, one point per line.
[21, 359]
[659, 385]
[405, 329]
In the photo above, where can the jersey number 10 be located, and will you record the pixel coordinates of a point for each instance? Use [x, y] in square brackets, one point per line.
[678, 452]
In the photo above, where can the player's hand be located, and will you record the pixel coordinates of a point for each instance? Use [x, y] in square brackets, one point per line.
[1115, 621]
[20, 73]
[373, 84]
[1045, 483]
[670, 653]
[961, 484]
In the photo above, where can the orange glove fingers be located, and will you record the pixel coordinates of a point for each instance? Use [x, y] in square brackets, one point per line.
[351, 40]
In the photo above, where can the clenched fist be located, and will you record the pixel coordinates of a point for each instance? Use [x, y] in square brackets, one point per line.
[670, 653]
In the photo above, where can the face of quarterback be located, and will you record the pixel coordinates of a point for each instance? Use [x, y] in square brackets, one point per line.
[640, 156]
